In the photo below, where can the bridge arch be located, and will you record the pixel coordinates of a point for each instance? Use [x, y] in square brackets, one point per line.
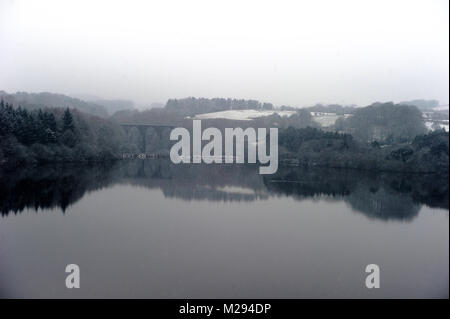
[159, 129]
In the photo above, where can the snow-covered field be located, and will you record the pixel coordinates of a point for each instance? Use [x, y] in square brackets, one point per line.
[241, 115]
[437, 119]
[432, 125]
[441, 108]
[324, 119]
[327, 119]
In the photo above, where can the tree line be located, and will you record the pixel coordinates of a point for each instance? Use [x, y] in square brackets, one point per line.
[426, 153]
[55, 135]
[378, 137]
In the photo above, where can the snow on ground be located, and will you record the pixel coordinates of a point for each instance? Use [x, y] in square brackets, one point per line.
[324, 119]
[441, 108]
[429, 125]
[241, 115]
[432, 125]
[327, 119]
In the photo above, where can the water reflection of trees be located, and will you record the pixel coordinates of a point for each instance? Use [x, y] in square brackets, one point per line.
[383, 196]
[377, 195]
[52, 186]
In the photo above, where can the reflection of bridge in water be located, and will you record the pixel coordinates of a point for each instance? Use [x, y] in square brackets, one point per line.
[142, 128]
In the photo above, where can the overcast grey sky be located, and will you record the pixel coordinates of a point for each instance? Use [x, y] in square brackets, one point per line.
[285, 52]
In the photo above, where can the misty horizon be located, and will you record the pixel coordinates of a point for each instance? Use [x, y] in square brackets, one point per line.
[162, 104]
[286, 54]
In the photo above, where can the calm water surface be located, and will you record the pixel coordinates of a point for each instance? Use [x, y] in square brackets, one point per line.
[151, 229]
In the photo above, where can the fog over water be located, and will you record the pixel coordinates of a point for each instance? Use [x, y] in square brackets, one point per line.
[281, 52]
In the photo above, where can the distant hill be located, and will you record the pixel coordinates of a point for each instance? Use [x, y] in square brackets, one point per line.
[422, 104]
[33, 101]
[156, 105]
[112, 106]
[192, 106]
